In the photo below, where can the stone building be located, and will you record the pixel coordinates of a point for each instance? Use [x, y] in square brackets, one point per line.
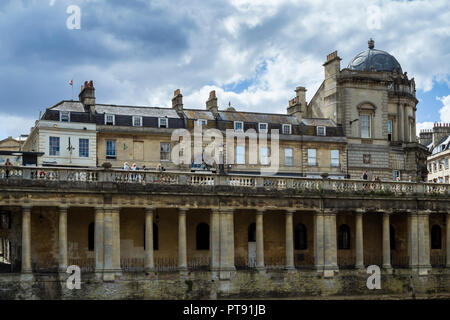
[437, 142]
[12, 144]
[308, 147]
[375, 103]
[233, 232]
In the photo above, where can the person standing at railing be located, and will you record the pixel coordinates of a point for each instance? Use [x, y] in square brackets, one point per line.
[365, 175]
[126, 166]
[7, 164]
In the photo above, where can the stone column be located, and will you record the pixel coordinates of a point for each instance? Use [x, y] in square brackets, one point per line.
[226, 242]
[406, 124]
[62, 239]
[386, 242]
[98, 246]
[330, 237]
[400, 122]
[359, 247]
[116, 239]
[108, 271]
[149, 257]
[413, 249]
[182, 241]
[289, 240]
[447, 243]
[319, 240]
[26, 240]
[215, 240]
[259, 240]
[424, 242]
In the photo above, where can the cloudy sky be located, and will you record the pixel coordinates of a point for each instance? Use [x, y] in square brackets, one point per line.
[252, 52]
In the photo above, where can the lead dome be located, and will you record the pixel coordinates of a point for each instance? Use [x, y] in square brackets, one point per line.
[374, 60]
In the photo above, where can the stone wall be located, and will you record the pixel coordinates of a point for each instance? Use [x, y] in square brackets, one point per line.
[245, 284]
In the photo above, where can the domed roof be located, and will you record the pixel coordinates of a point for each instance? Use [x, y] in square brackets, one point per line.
[374, 60]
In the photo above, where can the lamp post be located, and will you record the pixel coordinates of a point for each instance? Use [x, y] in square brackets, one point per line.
[351, 122]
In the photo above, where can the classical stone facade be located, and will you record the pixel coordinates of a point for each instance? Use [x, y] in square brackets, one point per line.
[375, 103]
[191, 231]
[159, 228]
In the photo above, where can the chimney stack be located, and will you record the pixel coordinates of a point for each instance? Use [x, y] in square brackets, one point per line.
[440, 131]
[298, 105]
[332, 65]
[425, 137]
[211, 103]
[177, 101]
[87, 96]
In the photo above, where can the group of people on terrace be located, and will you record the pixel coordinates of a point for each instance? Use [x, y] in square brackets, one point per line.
[134, 167]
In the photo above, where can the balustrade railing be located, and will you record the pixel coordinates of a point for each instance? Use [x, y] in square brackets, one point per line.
[437, 260]
[86, 265]
[94, 175]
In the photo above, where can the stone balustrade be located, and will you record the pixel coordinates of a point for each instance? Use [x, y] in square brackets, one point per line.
[209, 179]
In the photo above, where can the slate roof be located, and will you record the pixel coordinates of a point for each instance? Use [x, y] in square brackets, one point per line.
[137, 111]
[442, 145]
[257, 117]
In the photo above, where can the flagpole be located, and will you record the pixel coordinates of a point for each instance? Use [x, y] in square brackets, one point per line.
[72, 88]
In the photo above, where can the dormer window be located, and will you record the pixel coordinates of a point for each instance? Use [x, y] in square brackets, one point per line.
[262, 127]
[238, 126]
[137, 121]
[64, 116]
[110, 119]
[286, 129]
[202, 122]
[321, 131]
[163, 123]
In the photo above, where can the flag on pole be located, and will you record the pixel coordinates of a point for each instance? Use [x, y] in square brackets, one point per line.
[71, 82]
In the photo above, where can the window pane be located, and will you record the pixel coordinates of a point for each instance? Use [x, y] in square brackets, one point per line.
[165, 151]
[238, 126]
[312, 157]
[54, 146]
[334, 158]
[240, 154]
[109, 119]
[137, 121]
[365, 126]
[288, 157]
[110, 148]
[286, 129]
[83, 148]
[320, 131]
[263, 127]
[264, 155]
[64, 116]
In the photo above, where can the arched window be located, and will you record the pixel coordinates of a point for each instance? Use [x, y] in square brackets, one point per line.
[436, 237]
[344, 237]
[155, 237]
[91, 236]
[300, 237]
[392, 237]
[202, 236]
[252, 232]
